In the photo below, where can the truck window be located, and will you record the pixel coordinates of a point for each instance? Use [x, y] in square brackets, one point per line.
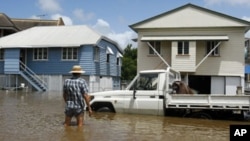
[146, 82]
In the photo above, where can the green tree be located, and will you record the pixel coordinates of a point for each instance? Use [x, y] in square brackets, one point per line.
[129, 63]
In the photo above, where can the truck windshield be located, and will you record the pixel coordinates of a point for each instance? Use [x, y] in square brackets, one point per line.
[146, 82]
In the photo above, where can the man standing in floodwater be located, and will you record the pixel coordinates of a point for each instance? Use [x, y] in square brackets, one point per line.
[75, 90]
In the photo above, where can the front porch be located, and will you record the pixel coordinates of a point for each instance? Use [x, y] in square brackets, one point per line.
[15, 71]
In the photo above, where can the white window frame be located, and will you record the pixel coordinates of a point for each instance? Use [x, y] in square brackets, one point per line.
[40, 54]
[183, 47]
[97, 54]
[210, 45]
[70, 53]
[156, 45]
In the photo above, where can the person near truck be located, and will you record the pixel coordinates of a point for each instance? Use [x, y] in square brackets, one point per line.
[75, 91]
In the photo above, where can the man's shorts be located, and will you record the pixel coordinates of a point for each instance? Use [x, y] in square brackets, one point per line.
[70, 112]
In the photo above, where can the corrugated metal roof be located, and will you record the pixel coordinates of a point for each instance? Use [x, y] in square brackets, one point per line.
[5, 21]
[23, 24]
[51, 36]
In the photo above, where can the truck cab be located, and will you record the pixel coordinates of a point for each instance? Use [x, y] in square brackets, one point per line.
[146, 94]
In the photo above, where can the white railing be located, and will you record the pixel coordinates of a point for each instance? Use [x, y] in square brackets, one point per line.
[209, 101]
[33, 74]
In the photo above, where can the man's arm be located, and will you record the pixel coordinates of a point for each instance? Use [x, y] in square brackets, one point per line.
[64, 96]
[87, 100]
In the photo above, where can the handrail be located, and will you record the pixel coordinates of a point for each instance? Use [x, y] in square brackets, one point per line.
[33, 74]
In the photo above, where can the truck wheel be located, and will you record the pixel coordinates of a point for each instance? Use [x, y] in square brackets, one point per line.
[200, 115]
[104, 109]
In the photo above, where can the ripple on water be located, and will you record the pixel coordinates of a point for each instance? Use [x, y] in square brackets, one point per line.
[39, 116]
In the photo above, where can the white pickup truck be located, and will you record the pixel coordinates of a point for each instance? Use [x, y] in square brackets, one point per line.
[151, 92]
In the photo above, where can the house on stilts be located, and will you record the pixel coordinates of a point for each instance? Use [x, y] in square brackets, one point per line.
[205, 46]
[41, 58]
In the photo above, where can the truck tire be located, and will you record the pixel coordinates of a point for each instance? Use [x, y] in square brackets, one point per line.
[104, 109]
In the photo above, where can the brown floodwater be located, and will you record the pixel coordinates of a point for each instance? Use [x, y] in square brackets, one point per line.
[32, 116]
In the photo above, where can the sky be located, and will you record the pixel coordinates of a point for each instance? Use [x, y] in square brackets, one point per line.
[112, 18]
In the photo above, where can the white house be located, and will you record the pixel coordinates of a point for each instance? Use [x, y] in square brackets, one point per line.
[207, 47]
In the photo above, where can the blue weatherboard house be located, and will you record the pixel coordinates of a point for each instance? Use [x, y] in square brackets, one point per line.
[41, 58]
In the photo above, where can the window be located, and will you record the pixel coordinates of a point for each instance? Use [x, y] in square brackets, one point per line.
[210, 46]
[108, 57]
[96, 54]
[1, 54]
[108, 52]
[118, 58]
[118, 61]
[69, 53]
[156, 45]
[146, 82]
[183, 47]
[40, 53]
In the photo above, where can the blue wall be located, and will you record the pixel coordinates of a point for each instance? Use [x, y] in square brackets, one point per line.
[55, 65]
[100, 67]
[108, 68]
[11, 61]
[86, 59]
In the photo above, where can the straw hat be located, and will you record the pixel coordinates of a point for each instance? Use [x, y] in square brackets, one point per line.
[77, 69]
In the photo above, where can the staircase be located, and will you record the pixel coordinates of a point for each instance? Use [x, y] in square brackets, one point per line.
[32, 78]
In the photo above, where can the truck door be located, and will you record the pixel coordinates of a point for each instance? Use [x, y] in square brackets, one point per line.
[143, 97]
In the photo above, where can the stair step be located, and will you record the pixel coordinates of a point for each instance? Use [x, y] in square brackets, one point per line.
[33, 80]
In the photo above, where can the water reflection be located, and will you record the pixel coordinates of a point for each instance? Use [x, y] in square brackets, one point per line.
[39, 116]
